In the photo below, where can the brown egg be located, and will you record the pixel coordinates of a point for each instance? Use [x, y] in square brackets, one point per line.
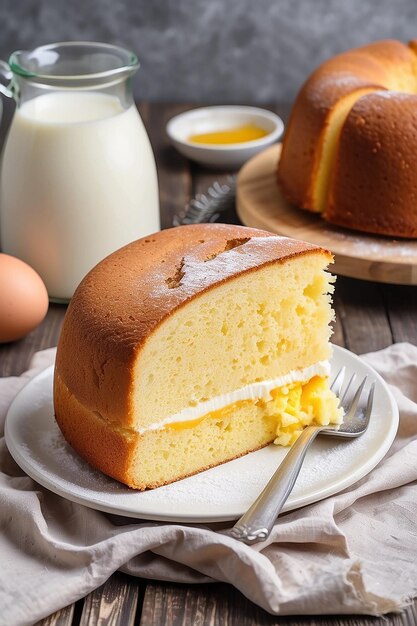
[23, 298]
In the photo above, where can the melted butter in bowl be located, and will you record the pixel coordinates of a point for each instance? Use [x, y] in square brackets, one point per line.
[224, 137]
[249, 132]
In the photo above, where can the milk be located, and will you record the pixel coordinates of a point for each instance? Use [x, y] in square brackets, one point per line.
[78, 181]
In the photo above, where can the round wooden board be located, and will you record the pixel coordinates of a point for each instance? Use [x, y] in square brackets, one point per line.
[260, 204]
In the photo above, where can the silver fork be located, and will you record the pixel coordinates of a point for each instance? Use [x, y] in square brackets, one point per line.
[256, 524]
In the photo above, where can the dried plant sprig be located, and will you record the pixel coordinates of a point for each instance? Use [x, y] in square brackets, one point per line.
[209, 206]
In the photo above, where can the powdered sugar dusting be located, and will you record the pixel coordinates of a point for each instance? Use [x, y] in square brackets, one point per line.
[375, 248]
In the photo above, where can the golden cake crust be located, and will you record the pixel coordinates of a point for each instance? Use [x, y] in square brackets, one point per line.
[379, 156]
[349, 78]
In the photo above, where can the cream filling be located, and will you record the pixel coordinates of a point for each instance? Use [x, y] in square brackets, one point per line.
[254, 391]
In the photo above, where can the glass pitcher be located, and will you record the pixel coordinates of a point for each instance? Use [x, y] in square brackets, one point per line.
[78, 176]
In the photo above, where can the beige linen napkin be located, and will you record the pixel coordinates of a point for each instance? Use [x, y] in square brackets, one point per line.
[355, 552]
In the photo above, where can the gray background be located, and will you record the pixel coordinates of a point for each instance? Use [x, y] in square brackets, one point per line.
[256, 51]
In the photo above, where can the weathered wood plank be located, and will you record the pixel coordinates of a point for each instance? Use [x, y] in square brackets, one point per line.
[15, 356]
[222, 605]
[337, 326]
[112, 604]
[174, 174]
[401, 305]
[361, 312]
[63, 617]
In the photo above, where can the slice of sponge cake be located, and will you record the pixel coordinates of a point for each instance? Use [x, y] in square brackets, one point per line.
[194, 346]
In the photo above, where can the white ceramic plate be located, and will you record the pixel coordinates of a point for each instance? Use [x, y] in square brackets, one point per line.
[219, 494]
[215, 118]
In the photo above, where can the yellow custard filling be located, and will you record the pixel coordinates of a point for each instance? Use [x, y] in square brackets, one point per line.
[298, 405]
[249, 132]
[292, 407]
[220, 414]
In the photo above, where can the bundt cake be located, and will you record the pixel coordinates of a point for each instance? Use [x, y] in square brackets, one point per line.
[194, 346]
[349, 148]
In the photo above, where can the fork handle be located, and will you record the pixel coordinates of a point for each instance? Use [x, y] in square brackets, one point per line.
[256, 524]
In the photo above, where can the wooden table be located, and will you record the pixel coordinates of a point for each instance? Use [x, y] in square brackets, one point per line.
[370, 316]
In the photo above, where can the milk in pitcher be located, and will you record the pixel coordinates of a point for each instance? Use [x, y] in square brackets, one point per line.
[78, 181]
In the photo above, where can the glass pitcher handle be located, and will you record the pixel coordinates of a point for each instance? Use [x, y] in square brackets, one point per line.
[5, 74]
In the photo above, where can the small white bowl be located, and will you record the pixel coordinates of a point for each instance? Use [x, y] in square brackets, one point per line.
[218, 118]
